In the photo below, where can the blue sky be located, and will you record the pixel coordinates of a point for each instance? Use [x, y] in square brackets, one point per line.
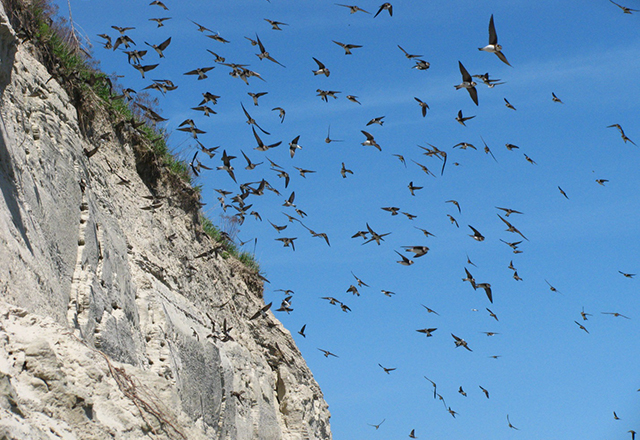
[553, 379]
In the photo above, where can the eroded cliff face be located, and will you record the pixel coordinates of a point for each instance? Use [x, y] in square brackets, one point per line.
[114, 320]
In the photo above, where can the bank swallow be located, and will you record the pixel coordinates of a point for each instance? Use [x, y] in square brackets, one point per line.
[160, 21]
[275, 25]
[624, 137]
[405, 261]
[370, 140]
[327, 353]
[407, 54]
[347, 47]
[493, 45]
[344, 171]
[427, 331]
[582, 327]
[467, 83]
[423, 106]
[421, 65]
[460, 342]
[322, 69]
[353, 9]
[386, 370]
[385, 7]
[160, 47]
[413, 188]
[264, 54]
[508, 104]
[462, 119]
[281, 113]
[624, 8]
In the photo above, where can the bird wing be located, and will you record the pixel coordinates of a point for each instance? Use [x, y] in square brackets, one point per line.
[493, 37]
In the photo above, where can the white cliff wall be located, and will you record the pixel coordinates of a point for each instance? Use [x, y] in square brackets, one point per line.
[103, 305]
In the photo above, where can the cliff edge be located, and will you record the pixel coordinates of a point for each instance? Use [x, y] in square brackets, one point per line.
[119, 317]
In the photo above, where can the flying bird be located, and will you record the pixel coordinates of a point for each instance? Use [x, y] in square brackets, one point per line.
[216, 36]
[201, 72]
[327, 353]
[423, 106]
[624, 136]
[460, 342]
[430, 310]
[582, 327]
[487, 290]
[405, 261]
[616, 314]
[347, 47]
[281, 113]
[386, 370]
[344, 171]
[563, 193]
[493, 315]
[359, 281]
[158, 3]
[407, 54]
[461, 119]
[468, 83]
[218, 58]
[385, 7]
[413, 188]
[201, 28]
[353, 9]
[624, 8]
[261, 312]
[508, 211]
[160, 47]
[275, 25]
[421, 65]
[322, 69]
[508, 104]
[353, 99]
[512, 228]
[493, 45]
[427, 331]
[143, 69]
[160, 21]
[293, 146]
[261, 145]
[378, 120]
[418, 251]
[370, 140]
[264, 54]
[476, 234]
[252, 121]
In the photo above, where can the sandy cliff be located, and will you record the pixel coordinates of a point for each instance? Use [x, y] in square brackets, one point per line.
[114, 320]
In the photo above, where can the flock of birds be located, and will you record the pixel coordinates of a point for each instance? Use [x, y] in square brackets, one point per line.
[145, 56]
